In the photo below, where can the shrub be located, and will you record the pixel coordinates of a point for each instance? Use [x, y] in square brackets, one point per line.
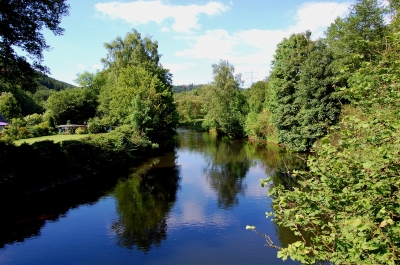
[10, 132]
[41, 129]
[18, 122]
[81, 130]
[23, 133]
[33, 119]
[96, 126]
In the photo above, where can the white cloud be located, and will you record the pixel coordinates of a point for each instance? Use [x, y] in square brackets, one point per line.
[213, 44]
[143, 12]
[317, 16]
[96, 66]
[81, 66]
[251, 51]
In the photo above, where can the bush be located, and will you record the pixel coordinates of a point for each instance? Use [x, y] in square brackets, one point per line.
[18, 122]
[33, 119]
[41, 129]
[10, 132]
[23, 133]
[81, 130]
[96, 126]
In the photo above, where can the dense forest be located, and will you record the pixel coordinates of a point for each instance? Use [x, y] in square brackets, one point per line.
[337, 97]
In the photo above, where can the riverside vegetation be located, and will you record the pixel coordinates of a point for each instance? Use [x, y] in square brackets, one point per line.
[337, 97]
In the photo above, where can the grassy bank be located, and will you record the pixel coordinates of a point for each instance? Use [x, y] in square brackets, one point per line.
[54, 138]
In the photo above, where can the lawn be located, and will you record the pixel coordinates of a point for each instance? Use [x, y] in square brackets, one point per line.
[55, 138]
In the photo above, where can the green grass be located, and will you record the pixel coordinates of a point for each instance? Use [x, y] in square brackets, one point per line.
[55, 138]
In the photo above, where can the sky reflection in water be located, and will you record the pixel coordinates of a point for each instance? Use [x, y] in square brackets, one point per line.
[187, 207]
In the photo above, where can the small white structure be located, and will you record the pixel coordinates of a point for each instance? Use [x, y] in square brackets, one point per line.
[70, 128]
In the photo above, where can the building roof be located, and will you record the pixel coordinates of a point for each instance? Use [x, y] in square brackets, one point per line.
[2, 119]
[71, 125]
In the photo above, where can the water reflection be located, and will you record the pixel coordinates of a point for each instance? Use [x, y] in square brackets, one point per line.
[227, 167]
[144, 202]
[26, 216]
[199, 197]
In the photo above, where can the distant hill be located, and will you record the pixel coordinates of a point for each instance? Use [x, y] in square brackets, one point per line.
[185, 88]
[54, 84]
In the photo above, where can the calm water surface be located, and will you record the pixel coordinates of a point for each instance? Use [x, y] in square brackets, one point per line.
[190, 206]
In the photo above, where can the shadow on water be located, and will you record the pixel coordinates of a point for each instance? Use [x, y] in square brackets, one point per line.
[143, 190]
[144, 202]
[25, 216]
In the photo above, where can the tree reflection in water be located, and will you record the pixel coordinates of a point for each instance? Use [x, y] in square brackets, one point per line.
[227, 166]
[143, 204]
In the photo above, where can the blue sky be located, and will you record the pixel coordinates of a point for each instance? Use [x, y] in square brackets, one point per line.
[192, 34]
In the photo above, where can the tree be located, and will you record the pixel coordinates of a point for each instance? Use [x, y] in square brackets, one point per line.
[76, 105]
[315, 94]
[21, 22]
[9, 106]
[357, 38]
[134, 79]
[286, 67]
[134, 50]
[225, 105]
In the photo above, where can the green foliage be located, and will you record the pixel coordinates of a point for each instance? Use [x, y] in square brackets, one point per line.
[256, 96]
[185, 88]
[49, 83]
[225, 104]
[81, 130]
[33, 119]
[348, 203]
[21, 23]
[76, 105]
[260, 126]
[41, 129]
[357, 38]
[135, 51]
[303, 102]
[137, 90]
[96, 126]
[41, 96]
[143, 100]
[93, 81]
[189, 106]
[9, 106]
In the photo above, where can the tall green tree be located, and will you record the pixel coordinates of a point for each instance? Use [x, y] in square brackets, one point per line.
[289, 57]
[319, 106]
[134, 50]
[357, 38]
[21, 23]
[136, 89]
[226, 106]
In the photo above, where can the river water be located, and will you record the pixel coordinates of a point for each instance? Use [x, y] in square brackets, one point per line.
[190, 206]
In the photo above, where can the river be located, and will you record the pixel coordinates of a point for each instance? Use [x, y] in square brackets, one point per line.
[190, 206]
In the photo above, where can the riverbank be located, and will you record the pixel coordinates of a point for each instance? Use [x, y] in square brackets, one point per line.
[31, 168]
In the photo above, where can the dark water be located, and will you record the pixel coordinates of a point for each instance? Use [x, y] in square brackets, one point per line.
[190, 206]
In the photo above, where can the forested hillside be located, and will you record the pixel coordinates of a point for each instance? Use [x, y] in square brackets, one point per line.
[51, 83]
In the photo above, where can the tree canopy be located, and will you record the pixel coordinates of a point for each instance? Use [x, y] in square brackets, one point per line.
[225, 105]
[21, 23]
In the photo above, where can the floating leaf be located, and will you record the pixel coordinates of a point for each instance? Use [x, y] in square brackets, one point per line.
[383, 224]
